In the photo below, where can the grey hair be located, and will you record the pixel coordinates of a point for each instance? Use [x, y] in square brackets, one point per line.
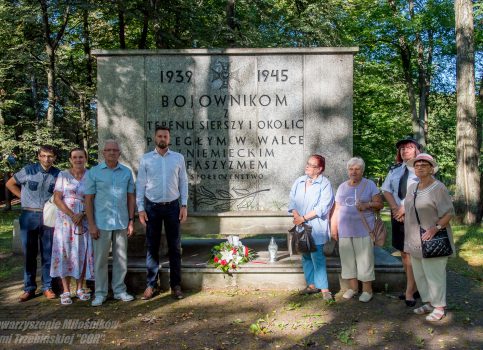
[356, 161]
[111, 141]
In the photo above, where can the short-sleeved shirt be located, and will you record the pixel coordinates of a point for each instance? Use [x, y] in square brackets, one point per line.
[349, 218]
[318, 197]
[110, 187]
[432, 203]
[391, 182]
[37, 185]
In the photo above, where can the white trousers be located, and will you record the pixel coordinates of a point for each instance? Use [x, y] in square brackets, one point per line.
[430, 276]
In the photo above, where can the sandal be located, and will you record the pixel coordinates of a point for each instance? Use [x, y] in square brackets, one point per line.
[425, 309]
[327, 295]
[436, 315]
[65, 298]
[83, 295]
[309, 290]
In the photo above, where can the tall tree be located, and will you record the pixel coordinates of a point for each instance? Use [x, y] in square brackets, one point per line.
[51, 45]
[468, 200]
[419, 91]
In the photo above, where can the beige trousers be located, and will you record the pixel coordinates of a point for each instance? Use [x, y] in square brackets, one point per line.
[102, 245]
[357, 258]
[430, 276]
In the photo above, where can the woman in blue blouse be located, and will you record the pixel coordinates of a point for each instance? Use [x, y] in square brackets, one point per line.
[311, 200]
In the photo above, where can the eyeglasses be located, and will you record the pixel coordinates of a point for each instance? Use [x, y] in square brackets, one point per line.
[311, 165]
[111, 150]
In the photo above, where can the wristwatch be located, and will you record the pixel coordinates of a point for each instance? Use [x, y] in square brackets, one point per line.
[439, 227]
[131, 219]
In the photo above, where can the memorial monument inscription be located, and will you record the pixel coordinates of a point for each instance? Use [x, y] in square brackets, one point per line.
[246, 120]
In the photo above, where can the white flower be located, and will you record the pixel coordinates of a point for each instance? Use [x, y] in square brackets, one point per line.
[227, 255]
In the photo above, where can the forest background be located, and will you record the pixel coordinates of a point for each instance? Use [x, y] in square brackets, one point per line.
[405, 76]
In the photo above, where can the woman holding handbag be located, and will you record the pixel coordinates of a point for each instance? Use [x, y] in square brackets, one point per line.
[311, 200]
[428, 210]
[72, 252]
[355, 202]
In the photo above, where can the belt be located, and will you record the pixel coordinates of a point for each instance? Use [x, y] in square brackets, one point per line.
[37, 210]
[162, 203]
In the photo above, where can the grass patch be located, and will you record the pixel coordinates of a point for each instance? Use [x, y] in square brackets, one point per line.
[6, 229]
[469, 248]
[10, 265]
[469, 251]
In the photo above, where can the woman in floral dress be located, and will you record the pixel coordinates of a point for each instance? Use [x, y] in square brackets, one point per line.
[72, 254]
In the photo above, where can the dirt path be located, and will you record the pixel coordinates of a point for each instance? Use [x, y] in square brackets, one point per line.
[242, 320]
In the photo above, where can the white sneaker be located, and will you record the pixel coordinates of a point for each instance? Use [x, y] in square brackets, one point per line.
[349, 294]
[98, 300]
[365, 297]
[124, 296]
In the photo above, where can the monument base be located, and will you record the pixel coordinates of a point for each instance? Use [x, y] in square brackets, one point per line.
[285, 274]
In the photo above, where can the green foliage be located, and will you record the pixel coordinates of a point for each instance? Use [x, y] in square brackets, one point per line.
[380, 115]
[442, 139]
[24, 146]
[381, 108]
[262, 325]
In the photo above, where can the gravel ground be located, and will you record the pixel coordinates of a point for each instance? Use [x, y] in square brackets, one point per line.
[238, 319]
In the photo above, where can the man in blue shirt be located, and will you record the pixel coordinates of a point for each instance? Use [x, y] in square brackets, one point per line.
[34, 185]
[110, 201]
[161, 185]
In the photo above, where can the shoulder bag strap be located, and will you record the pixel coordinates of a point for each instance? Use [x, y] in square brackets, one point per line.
[415, 195]
[364, 221]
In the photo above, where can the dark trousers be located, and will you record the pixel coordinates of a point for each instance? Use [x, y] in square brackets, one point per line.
[34, 234]
[157, 215]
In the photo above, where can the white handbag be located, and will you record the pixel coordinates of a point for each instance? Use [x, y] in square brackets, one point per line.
[50, 212]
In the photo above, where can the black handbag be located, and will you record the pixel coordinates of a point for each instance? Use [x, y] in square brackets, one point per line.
[439, 245]
[301, 240]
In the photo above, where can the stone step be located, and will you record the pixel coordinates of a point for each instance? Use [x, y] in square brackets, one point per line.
[286, 273]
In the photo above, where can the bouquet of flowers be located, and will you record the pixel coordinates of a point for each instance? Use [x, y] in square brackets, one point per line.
[228, 256]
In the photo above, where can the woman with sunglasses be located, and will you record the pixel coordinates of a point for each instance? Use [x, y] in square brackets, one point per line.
[311, 200]
[72, 254]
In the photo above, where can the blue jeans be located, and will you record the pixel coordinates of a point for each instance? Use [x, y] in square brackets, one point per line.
[33, 233]
[157, 215]
[315, 270]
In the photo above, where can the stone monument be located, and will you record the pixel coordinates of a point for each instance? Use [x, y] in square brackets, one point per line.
[246, 121]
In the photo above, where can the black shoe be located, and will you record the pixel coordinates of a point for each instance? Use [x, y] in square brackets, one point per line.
[410, 303]
[415, 296]
[177, 293]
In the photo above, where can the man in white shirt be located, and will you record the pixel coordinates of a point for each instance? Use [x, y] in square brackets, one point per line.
[161, 198]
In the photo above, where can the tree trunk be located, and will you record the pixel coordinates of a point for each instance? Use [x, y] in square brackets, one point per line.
[467, 197]
[230, 22]
[35, 101]
[84, 101]
[87, 47]
[122, 24]
[417, 117]
[51, 45]
[144, 32]
[84, 117]
[157, 28]
[50, 85]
